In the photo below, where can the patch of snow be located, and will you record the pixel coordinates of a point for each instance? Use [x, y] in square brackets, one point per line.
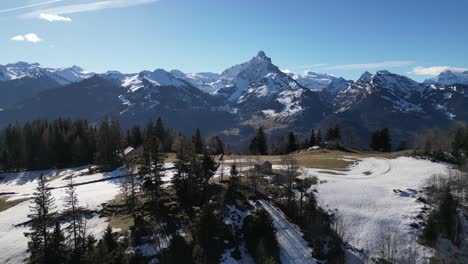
[365, 196]
[12, 240]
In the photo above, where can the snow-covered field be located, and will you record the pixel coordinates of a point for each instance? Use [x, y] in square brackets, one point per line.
[373, 196]
[13, 243]
[377, 196]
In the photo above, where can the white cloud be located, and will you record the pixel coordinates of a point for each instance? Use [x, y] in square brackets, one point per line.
[31, 37]
[87, 7]
[54, 18]
[29, 6]
[435, 70]
[368, 66]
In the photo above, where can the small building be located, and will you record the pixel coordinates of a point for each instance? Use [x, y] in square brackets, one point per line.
[263, 166]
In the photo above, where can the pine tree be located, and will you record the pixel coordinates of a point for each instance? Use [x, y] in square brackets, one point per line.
[329, 136]
[258, 145]
[219, 146]
[42, 219]
[76, 219]
[458, 145]
[319, 137]
[159, 130]
[312, 141]
[58, 247]
[292, 144]
[385, 140]
[156, 169]
[198, 142]
[109, 141]
[136, 137]
[336, 133]
[110, 242]
[234, 182]
[375, 141]
[209, 167]
[183, 180]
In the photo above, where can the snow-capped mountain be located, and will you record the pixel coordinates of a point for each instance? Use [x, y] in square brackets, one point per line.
[62, 76]
[202, 80]
[313, 81]
[245, 96]
[449, 78]
[400, 91]
[69, 75]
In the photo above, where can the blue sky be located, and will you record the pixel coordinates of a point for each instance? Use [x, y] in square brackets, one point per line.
[345, 38]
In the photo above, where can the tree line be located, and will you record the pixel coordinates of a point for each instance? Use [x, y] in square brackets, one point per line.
[62, 143]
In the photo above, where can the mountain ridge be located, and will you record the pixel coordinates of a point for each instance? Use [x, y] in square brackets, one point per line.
[243, 97]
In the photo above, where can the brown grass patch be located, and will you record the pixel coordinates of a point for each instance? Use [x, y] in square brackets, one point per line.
[325, 159]
[5, 205]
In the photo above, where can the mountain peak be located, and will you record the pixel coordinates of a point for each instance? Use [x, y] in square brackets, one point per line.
[365, 77]
[261, 56]
[384, 72]
[449, 77]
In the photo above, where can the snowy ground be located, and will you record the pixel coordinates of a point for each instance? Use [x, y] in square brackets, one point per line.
[13, 244]
[375, 195]
[378, 195]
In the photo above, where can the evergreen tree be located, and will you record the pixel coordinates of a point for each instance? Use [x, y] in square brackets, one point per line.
[208, 166]
[260, 238]
[292, 144]
[58, 247]
[42, 219]
[183, 181]
[152, 169]
[312, 141]
[336, 133]
[76, 219]
[385, 140]
[198, 142]
[233, 185]
[179, 251]
[108, 147]
[380, 140]
[458, 145]
[448, 220]
[258, 145]
[136, 137]
[219, 146]
[109, 240]
[159, 130]
[318, 139]
[208, 236]
[329, 136]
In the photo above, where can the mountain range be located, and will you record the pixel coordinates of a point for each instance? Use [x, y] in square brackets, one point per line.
[237, 101]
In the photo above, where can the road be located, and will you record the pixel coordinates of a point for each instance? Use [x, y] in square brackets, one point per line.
[293, 248]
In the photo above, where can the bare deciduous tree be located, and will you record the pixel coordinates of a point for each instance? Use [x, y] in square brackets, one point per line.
[290, 165]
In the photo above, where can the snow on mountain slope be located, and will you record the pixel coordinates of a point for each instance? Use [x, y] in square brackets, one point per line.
[70, 75]
[158, 77]
[402, 92]
[5, 74]
[313, 81]
[203, 80]
[258, 78]
[379, 195]
[449, 78]
[62, 76]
